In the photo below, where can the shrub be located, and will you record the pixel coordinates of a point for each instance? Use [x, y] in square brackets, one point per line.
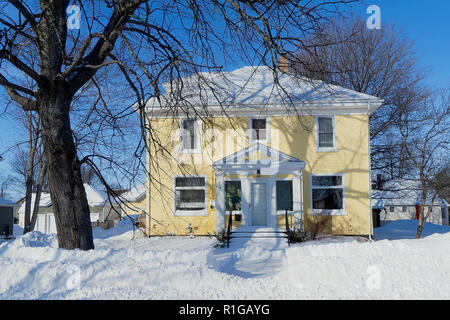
[298, 235]
[221, 237]
[318, 225]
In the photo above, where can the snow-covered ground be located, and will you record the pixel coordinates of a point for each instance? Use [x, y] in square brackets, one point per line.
[124, 266]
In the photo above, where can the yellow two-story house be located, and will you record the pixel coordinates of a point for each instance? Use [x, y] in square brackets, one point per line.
[258, 146]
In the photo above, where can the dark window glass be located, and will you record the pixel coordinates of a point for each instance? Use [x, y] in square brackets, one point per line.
[232, 195]
[190, 199]
[284, 195]
[327, 199]
[190, 182]
[327, 181]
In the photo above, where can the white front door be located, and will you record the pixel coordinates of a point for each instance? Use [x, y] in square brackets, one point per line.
[259, 204]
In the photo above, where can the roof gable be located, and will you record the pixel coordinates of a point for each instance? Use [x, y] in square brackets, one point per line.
[259, 157]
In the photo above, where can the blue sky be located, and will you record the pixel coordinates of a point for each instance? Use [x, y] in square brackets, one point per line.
[426, 22]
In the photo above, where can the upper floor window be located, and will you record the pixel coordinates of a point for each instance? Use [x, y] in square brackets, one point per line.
[259, 129]
[190, 135]
[325, 134]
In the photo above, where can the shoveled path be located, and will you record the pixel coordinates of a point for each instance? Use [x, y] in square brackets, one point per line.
[255, 252]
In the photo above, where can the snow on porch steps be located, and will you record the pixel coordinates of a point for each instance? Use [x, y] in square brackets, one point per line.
[253, 252]
[255, 232]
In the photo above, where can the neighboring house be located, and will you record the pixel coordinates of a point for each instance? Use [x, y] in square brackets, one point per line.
[311, 160]
[400, 199]
[134, 201]
[101, 211]
[7, 208]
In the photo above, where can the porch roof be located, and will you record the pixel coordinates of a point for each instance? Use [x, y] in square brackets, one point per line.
[258, 156]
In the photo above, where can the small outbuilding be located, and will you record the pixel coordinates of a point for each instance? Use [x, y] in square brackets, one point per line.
[6, 217]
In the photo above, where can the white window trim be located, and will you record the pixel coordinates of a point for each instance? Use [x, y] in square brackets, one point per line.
[331, 212]
[242, 196]
[282, 212]
[250, 129]
[326, 149]
[183, 213]
[198, 137]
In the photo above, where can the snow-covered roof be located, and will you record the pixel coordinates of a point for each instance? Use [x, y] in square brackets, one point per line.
[44, 202]
[7, 203]
[252, 86]
[95, 198]
[401, 192]
[137, 193]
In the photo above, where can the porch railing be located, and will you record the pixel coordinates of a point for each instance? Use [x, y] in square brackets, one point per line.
[288, 231]
[230, 222]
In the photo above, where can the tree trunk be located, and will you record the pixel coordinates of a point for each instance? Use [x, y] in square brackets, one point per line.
[28, 199]
[419, 230]
[71, 210]
[38, 197]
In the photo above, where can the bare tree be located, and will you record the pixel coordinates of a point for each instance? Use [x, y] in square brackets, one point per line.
[425, 132]
[147, 42]
[381, 63]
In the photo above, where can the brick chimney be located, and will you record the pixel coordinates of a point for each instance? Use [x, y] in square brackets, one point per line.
[283, 64]
[379, 182]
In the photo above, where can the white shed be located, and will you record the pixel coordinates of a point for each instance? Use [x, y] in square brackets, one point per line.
[6, 217]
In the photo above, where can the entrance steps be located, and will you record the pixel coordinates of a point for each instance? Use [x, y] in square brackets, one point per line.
[258, 233]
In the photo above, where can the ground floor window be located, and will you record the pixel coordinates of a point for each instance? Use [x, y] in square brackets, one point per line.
[233, 195]
[190, 194]
[284, 195]
[327, 192]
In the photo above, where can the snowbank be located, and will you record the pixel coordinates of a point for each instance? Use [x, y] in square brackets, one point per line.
[407, 229]
[128, 266]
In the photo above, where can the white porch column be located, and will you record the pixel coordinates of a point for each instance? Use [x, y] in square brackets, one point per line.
[245, 199]
[272, 203]
[297, 190]
[220, 201]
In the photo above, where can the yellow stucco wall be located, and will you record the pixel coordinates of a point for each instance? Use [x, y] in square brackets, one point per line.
[287, 134]
[133, 208]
